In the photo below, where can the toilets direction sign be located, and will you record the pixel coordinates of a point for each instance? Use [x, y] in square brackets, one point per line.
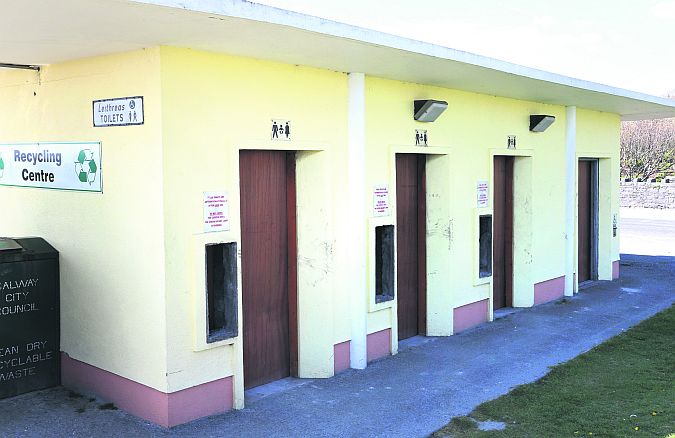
[120, 111]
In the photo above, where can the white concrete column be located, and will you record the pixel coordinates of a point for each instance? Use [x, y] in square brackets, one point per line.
[356, 165]
[570, 195]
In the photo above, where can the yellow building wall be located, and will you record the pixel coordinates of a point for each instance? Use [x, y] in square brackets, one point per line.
[598, 136]
[214, 106]
[474, 128]
[111, 243]
[132, 258]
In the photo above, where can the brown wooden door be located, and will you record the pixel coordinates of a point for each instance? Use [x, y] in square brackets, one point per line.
[585, 211]
[411, 244]
[267, 186]
[502, 239]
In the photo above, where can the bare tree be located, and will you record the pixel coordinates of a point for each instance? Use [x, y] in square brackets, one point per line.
[647, 148]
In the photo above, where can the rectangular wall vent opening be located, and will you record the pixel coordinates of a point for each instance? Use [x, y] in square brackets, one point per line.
[384, 263]
[221, 291]
[485, 246]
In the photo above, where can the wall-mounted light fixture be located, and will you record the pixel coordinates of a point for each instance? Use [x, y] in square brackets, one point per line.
[539, 122]
[429, 110]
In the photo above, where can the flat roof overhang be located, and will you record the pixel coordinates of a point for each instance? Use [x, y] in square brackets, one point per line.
[40, 32]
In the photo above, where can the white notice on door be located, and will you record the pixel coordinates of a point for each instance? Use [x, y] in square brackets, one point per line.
[216, 212]
[381, 200]
[482, 194]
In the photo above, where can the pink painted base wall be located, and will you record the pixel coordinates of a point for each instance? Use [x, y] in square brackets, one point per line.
[341, 357]
[469, 315]
[167, 410]
[200, 401]
[379, 344]
[549, 290]
[615, 269]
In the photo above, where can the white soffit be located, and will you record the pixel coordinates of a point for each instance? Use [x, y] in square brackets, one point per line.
[46, 32]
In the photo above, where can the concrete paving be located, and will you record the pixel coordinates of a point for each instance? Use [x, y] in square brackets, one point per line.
[408, 395]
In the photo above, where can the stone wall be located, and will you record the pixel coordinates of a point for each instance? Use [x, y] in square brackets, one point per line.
[648, 194]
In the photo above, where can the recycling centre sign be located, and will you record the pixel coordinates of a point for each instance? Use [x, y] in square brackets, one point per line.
[65, 166]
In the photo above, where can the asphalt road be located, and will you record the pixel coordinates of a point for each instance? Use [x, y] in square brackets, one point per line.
[647, 232]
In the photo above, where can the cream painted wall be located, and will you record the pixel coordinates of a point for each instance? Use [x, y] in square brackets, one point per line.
[213, 106]
[439, 234]
[598, 136]
[133, 301]
[111, 244]
[474, 128]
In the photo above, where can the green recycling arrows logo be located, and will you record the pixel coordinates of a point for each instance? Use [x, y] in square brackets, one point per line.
[85, 166]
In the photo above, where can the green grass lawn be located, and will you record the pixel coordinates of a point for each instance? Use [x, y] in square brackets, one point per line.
[624, 387]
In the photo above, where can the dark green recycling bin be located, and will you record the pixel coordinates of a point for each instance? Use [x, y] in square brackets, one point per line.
[29, 316]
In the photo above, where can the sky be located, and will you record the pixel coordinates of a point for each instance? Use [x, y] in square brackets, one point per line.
[623, 43]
